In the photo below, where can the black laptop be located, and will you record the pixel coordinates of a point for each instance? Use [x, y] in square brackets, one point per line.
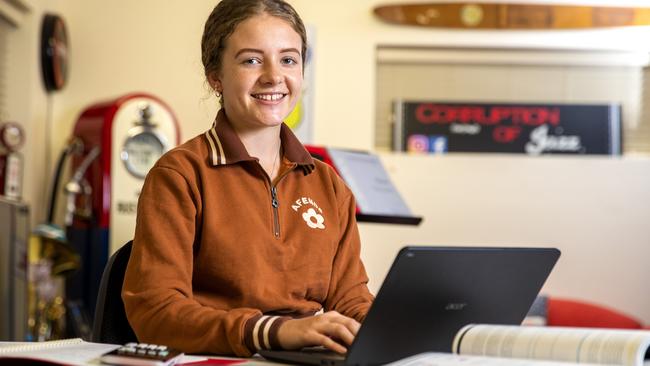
[432, 292]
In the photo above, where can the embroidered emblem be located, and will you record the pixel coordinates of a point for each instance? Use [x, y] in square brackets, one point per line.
[312, 216]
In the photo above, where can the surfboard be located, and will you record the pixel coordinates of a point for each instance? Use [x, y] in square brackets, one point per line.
[511, 16]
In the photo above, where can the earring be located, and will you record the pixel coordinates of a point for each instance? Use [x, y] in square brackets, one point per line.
[217, 93]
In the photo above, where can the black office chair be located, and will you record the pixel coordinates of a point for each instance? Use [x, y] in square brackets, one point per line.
[110, 324]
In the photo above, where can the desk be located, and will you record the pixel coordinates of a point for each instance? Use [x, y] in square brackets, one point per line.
[80, 353]
[86, 353]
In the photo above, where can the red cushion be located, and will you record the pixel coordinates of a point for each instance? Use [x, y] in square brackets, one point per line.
[570, 313]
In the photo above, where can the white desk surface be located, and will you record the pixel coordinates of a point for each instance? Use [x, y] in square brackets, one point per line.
[88, 353]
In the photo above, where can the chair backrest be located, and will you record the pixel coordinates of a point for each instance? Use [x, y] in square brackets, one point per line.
[580, 313]
[110, 324]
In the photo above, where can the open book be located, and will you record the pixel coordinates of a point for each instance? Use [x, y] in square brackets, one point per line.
[482, 344]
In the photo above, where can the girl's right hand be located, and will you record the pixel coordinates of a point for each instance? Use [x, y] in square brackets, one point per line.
[331, 330]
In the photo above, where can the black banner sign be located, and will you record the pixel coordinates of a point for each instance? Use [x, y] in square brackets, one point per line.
[437, 127]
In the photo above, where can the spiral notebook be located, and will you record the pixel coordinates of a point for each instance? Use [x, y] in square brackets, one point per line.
[73, 351]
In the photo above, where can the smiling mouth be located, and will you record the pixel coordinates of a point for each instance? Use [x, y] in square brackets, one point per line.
[269, 97]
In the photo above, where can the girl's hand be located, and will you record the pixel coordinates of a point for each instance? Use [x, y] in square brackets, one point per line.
[331, 330]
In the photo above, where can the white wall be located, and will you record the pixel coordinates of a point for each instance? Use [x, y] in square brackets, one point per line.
[595, 210]
[27, 103]
[347, 36]
[121, 46]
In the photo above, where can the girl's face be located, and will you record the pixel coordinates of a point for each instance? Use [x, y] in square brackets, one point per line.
[261, 73]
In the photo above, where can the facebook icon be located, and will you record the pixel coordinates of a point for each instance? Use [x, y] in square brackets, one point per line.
[437, 144]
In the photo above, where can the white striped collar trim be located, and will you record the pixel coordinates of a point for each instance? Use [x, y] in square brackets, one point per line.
[216, 149]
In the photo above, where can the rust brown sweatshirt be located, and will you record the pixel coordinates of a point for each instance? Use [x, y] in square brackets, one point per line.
[222, 256]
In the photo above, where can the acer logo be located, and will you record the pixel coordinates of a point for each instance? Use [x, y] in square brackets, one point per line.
[455, 306]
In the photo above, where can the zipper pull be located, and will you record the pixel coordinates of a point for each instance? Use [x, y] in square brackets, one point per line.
[274, 196]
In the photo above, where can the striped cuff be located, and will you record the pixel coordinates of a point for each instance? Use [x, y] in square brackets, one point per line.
[261, 332]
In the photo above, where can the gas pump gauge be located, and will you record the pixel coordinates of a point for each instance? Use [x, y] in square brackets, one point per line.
[141, 150]
[143, 145]
[11, 161]
[11, 136]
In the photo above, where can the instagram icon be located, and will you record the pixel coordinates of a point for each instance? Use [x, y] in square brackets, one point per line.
[418, 144]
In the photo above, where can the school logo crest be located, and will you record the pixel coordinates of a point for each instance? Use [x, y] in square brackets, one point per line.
[313, 220]
[311, 213]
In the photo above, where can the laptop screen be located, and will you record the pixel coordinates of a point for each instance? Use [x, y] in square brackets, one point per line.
[432, 292]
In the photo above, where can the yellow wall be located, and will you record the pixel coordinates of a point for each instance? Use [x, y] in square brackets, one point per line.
[120, 46]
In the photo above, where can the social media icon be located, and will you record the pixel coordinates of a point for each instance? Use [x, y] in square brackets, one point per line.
[438, 144]
[418, 144]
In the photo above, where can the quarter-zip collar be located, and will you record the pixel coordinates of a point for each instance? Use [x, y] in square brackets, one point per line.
[225, 147]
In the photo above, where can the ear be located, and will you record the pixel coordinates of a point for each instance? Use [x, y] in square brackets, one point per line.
[215, 82]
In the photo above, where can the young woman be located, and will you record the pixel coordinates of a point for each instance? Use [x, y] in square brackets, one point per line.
[242, 238]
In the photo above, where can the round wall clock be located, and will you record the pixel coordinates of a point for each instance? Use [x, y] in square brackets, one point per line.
[54, 52]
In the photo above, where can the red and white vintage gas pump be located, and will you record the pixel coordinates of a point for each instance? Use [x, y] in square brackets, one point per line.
[121, 140]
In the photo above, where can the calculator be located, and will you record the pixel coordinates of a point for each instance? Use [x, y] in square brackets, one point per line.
[142, 354]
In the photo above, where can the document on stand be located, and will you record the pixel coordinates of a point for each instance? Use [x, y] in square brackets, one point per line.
[372, 187]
